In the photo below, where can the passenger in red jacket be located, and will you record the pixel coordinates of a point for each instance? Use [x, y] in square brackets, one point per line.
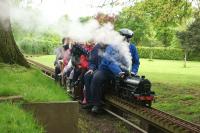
[84, 64]
[84, 59]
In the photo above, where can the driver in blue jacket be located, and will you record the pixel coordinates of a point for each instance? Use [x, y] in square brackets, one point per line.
[112, 64]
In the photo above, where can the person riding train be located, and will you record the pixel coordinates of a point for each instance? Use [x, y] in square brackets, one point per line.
[79, 64]
[95, 57]
[110, 68]
[60, 55]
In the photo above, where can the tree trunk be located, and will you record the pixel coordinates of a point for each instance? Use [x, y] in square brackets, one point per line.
[185, 59]
[9, 52]
[151, 52]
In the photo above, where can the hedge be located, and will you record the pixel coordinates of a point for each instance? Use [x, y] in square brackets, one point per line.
[161, 53]
[30, 46]
[166, 53]
[37, 46]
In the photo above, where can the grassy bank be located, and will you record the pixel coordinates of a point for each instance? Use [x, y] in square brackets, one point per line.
[177, 88]
[14, 120]
[33, 86]
[30, 83]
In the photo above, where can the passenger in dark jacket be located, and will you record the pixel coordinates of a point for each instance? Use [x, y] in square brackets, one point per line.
[95, 57]
[112, 61]
[77, 51]
[112, 64]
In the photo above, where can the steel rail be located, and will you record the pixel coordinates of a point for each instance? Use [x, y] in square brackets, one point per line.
[126, 121]
[166, 121]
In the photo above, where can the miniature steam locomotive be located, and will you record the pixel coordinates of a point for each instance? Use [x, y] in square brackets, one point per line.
[134, 89]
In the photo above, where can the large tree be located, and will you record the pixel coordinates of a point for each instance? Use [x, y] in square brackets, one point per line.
[155, 19]
[190, 38]
[9, 52]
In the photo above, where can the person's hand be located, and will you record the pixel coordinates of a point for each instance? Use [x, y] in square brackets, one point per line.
[133, 74]
[90, 71]
[60, 61]
[122, 75]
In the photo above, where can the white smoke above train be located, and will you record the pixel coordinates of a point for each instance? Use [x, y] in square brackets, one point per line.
[81, 32]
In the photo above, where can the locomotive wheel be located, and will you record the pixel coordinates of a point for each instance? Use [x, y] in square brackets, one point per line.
[148, 104]
[145, 103]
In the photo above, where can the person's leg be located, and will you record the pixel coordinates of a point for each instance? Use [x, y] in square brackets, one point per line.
[99, 79]
[87, 82]
[57, 71]
[68, 71]
[77, 72]
[96, 87]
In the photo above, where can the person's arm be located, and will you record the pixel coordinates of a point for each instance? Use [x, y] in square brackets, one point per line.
[135, 59]
[57, 50]
[93, 59]
[110, 61]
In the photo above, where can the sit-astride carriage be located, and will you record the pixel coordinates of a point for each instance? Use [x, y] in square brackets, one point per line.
[133, 89]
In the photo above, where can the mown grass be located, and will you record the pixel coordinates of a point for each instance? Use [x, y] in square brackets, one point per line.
[47, 60]
[171, 72]
[177, 88]
[14, 120]
[30, 83]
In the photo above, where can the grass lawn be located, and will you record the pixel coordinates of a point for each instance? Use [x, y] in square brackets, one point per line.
[47, 60]
[177, 88]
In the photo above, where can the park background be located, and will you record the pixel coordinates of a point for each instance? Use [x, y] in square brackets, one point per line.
[167, 36]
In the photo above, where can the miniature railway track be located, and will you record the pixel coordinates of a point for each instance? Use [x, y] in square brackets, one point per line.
[144, 119]
[159, 121]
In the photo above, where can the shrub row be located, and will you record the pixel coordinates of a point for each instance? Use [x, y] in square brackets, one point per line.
[166, 53]
[30, 46]
[161, 53]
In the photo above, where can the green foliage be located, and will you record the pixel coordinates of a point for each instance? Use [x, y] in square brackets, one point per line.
[155, 20]
[14, 120]
[132, 19]
[191, 37]
[37, 46]
[161, 53]
[33, 42]
[34, 38]
[30, 83]
[84, 19]
[195, 55]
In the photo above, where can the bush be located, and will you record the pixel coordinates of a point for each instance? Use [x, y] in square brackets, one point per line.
[33, 46]
[195, 56]
[161, 53]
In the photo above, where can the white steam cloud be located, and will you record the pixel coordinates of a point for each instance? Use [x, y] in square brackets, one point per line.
[4, 14]
[41, 21]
